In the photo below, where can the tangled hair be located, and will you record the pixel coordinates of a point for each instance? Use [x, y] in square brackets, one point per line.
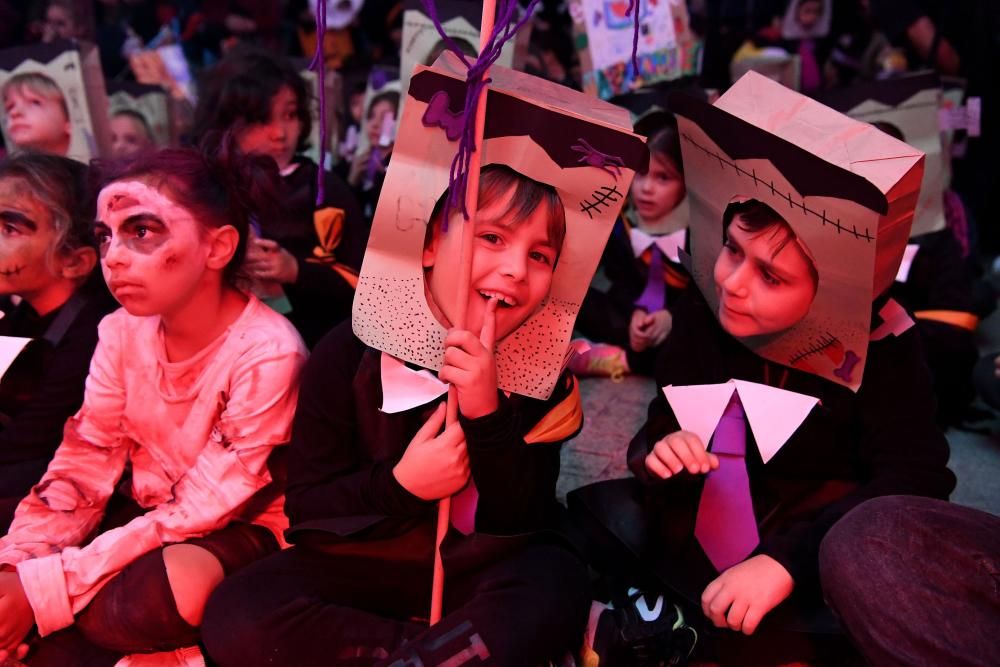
[38, 83]
[238, 91]
[496, 180]
[62, 186]
[219, 185]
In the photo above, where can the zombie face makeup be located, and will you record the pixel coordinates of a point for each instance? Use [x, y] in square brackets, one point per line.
[764, 281]
[279, 136]
[28, 263]
[36, 121]
[512, 262]
[153, 251]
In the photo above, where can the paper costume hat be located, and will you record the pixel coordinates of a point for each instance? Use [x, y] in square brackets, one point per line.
[150, 102]
[75, 68]
[845, 188]
[909, 104]
[582, 147]
[460, 20]
[792, 27]
[603, 34]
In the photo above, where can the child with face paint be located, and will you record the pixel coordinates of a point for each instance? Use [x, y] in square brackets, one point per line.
[35, 113]
[363, 482]
[630, 319]
[306, 252]
[47, 259]
[191, 388]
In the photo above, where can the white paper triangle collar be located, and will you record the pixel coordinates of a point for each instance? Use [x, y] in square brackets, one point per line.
[669, 244]
[773, 414]
[404, 388]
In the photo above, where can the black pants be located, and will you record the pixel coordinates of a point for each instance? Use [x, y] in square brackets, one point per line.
[305, 607]
[135, 612]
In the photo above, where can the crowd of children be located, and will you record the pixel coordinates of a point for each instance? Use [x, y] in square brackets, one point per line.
[240, 379]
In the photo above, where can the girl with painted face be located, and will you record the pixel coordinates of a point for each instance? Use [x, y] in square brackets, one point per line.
[35, 113]
[47, 259]
[303, 257]
[191, 388]
[629, 319]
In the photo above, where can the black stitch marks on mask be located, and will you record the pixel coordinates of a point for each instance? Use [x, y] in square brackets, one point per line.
[602, 196]
[822, 343]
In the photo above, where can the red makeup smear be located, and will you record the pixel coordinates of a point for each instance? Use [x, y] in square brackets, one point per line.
[121, 201]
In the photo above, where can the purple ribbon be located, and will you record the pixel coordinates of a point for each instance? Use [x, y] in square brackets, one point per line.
[503, 30]
[318, 65]
[653, 297]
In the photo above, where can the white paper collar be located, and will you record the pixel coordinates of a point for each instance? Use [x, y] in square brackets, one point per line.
[669, 244]
[773, 414]
[404, 388]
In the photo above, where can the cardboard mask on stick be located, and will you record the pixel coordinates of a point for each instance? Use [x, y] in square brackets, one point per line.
[75, 69]
[603, 34]
[910, 105]
[846, 190]
[581, 147]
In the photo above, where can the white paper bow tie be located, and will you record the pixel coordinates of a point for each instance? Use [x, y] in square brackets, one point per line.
[404, 388]
[669, 244]
[10, 348]
[773, 414]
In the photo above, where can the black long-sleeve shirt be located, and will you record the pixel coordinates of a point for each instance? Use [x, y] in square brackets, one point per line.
[340, 482]
[44, 385]
[321, 298]
[880, 441]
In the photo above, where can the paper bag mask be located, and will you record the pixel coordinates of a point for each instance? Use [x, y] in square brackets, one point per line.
[581, 147]
[460, 19]
[150, 102]
[603, 35]
[910, 104]
[74, 68]
[846, 189]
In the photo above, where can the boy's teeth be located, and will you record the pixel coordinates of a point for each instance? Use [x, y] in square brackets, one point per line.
[501, 299]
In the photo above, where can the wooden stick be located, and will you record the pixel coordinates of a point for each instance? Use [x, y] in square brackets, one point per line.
[467, 227]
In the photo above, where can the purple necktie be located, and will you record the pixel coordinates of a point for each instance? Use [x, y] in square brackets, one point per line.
[652, 297]
[463, 508]
[726, 527]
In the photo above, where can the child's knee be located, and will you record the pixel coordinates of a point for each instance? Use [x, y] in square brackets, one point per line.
[193, 573]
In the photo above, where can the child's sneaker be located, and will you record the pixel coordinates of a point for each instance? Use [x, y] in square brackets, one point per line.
[644, 630]
[601, 360]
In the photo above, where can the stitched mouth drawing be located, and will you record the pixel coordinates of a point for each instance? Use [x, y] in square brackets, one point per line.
[7, 273]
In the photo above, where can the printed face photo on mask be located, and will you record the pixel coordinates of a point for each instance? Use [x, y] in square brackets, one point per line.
[764, 279]
[35, 114]
[518, 236]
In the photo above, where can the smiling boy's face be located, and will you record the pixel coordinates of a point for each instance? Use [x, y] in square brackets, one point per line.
[511, 262]
[764, 280]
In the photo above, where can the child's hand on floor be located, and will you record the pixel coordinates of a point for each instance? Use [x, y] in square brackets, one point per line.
[678, 451]
[469, 364]
[740, 597]
[16, 615]
[648, 329]
[434, 466]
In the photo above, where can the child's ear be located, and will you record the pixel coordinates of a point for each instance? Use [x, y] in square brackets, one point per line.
[223, 242]
[79, 263]
[431, 248]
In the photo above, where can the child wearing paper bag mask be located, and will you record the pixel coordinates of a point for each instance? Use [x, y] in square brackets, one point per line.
[35, 113]
[629, 320]
[396, 464]
[751, 453]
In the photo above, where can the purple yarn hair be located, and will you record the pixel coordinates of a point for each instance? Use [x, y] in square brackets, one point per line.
[503, 30]
[318, 65]
[633, 11]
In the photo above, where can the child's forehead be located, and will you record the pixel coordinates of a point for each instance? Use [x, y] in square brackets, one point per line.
[122, 196]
